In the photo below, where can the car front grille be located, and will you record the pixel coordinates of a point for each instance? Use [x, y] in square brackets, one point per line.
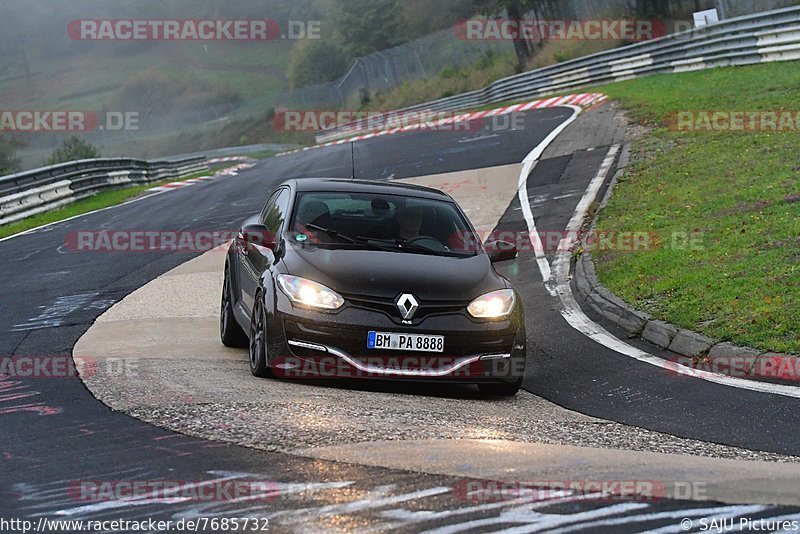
[388, 307]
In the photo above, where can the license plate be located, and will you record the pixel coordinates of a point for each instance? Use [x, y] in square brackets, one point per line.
[395, 341]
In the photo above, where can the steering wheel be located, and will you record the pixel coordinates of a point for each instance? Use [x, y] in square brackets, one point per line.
[429, 242]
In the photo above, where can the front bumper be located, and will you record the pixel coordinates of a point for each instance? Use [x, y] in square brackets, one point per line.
[334, 345]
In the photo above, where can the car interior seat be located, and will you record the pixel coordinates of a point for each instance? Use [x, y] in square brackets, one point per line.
[313, 212]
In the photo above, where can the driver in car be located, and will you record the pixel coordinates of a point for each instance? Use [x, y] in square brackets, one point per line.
[409, 221]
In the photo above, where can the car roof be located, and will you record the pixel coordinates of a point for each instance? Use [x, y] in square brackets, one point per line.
[367, 186]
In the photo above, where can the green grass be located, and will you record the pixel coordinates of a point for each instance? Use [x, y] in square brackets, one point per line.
[98, 201]
[737, 192]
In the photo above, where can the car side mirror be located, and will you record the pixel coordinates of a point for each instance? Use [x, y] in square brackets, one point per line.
[500, 251]
[258, 234]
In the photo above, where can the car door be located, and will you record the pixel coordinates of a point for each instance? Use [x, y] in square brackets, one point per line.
[256, 259]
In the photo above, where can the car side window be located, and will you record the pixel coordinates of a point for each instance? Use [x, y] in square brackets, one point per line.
[274, 213]
[268, 206]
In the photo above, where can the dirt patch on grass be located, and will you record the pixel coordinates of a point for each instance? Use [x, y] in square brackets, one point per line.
[745, 207]
[633, 130]
[792, 242]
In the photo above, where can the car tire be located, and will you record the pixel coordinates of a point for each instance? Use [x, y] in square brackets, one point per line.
[500, 390]
[231, 334]
[258, 341]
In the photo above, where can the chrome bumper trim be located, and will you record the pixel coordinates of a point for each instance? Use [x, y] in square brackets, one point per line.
[443, 371]
[495, 357]
[306, 345]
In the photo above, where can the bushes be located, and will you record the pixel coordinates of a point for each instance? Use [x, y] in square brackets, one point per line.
[73, 149]
[9, 162]
[313, 62]
[451, 81]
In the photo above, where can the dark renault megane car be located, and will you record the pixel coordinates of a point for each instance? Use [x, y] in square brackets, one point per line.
[350, 278]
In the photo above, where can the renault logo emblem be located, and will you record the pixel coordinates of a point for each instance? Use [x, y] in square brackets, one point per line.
[407, 305]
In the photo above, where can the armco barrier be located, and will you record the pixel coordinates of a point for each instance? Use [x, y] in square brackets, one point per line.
[758, 38]
[36, 191]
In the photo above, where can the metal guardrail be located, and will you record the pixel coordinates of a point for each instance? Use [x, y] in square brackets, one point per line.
[31, 192]
[746, 40]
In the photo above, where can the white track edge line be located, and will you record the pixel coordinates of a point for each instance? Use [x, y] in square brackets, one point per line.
[578, 320]
[522, 190]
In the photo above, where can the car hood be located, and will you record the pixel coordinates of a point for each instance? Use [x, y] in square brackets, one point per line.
[374, 273]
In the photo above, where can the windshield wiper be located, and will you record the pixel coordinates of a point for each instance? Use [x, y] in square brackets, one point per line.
[331, 232]
[404, 243]
[356, 240]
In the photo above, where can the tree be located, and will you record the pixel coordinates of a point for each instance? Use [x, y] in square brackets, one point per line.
[73, 149]
[9, 162]
[314, 61]
[365, 26]
[516, 10]
[422, 17]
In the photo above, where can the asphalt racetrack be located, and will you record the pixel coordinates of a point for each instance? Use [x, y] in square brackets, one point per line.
[55, 433]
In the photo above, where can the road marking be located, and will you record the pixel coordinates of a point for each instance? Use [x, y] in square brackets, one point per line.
[534, 521]
[55, 313]
[200, 179]
[564, 252]
[361, 505]
[718, 513]
[171, 186]
[522, 190]
[559, 197]
[573, 313]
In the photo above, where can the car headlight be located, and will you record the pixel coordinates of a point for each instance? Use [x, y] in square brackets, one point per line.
[310, 293]
[492, 305]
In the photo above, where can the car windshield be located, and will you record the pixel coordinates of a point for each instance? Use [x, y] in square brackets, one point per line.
[388, 222]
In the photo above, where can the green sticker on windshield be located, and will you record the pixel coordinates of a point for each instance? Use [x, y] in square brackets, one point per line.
[301, 237]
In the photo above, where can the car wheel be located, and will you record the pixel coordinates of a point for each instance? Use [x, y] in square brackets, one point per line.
[231, 334]
[500, 390]
[258, 341]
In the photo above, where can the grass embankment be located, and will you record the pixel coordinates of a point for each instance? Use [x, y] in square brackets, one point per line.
[98, 201]
[738, 193]
[489, 68]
